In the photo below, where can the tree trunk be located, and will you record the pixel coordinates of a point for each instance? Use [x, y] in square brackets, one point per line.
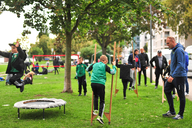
[104, 50]
[67, 81]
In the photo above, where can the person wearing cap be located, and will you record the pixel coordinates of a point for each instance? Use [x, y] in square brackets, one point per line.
[44, 70]
[15, 64]
[160, 64]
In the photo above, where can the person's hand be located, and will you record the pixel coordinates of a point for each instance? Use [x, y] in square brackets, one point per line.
[114, 62]
[154, 67]
[93, 62]
[170, 79]
[139, 69]
[17, 44]
[146, 67]
[133, 69]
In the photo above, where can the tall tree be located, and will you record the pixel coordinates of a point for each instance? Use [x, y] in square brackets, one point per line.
[181, 21]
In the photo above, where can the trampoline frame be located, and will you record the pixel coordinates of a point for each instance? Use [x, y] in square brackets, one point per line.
[61, 103]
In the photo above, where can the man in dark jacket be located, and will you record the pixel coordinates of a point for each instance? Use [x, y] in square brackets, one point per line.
[160, 64]
[144, 60]
[56, 64]
[15, 64]
[176, 79]
[44, 70]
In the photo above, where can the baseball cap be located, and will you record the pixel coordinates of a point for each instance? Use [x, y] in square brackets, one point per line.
[159, 51]
[12, 44]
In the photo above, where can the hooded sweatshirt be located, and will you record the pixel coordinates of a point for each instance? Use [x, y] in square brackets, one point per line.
[178, 62]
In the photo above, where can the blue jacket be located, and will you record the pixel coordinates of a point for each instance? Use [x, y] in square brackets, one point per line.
[178, 62]
[186, 61]
[137, 61]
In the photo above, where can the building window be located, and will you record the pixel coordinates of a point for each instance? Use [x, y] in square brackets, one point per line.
[161, 35]
[166, 34]
[161, 42]
[167, 27]
[165, 43]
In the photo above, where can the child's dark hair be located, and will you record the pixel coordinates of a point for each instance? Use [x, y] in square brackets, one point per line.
[81, 58]
[136, 50]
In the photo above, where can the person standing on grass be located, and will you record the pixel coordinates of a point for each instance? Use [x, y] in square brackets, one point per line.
[81, 76]
[137, 65]
[176, 79]
[125, 75]
[15, 65]
[98, 79]
[160, 64]
[56, 65]
[143, 57]
[47, 63]
[186, 68]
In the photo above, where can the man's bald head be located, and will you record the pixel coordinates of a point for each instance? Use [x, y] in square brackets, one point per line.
[142, 50]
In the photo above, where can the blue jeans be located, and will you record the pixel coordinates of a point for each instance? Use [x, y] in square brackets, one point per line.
[187, 85]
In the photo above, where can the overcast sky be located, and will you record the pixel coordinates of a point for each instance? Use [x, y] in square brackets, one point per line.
[11, 28]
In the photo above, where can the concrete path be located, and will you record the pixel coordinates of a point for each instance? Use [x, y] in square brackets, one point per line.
[161, 82]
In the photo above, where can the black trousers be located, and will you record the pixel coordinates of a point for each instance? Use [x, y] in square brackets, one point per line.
[82, 81]
[56, 70]
[16, 77]
[99, 91]
[143, 69]
[157, 74]
[125, 82]
[178, 83]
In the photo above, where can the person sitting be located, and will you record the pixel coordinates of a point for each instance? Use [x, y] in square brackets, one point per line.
[28, 78]
[44, 70]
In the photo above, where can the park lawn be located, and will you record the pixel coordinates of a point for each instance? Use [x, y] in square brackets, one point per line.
[144, 111]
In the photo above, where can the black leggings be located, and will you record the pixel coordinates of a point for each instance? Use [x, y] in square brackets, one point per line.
[99, 91]
[125, 82]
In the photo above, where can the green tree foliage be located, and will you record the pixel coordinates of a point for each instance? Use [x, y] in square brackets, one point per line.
[43, 44]
[181, 22]
[146, 47]
[36, 51]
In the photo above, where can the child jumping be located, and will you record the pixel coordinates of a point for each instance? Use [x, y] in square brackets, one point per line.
[98, 79]
[81, 76]
[15, 65]
[125, 75]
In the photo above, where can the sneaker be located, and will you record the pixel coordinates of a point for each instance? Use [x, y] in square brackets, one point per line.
[79, 95]
[129, 88]
[124, 98]
[146, 85]
[95, 112]
[173, 96]
[85, 94]
[186, 93]
[133, 87]
[178, 117]
[138, 85]
[100, 120]
[155, 87]
[168, 114]
[22, 87]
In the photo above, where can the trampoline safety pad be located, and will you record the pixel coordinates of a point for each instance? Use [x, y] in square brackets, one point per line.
[40, 104]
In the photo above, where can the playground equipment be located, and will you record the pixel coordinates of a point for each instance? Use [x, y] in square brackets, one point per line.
[40, 104]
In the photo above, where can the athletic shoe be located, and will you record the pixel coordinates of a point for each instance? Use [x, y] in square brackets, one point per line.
[95, 112]
[22, 87]
[124, 98]
[186, 93]
[173, 96]
[155, 87]
[138, 85]
[178, 117]
[100, 120]
[79, 95]
[85, 94]
[168, 114]
[133, 87]
[146, 85]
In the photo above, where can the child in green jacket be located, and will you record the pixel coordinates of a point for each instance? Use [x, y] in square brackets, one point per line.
[81, 76]
[98, 79]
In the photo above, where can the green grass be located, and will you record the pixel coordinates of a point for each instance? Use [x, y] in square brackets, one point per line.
[144, 111]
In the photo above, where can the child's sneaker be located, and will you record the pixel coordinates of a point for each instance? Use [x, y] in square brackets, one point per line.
[178, 117]
[95, 112]
[100, 120]
[173, 96]
[168, 114]
[133, 87]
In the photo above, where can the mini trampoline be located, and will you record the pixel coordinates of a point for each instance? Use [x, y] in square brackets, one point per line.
[40, 104]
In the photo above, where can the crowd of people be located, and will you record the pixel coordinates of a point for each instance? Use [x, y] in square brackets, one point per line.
[174, 75]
